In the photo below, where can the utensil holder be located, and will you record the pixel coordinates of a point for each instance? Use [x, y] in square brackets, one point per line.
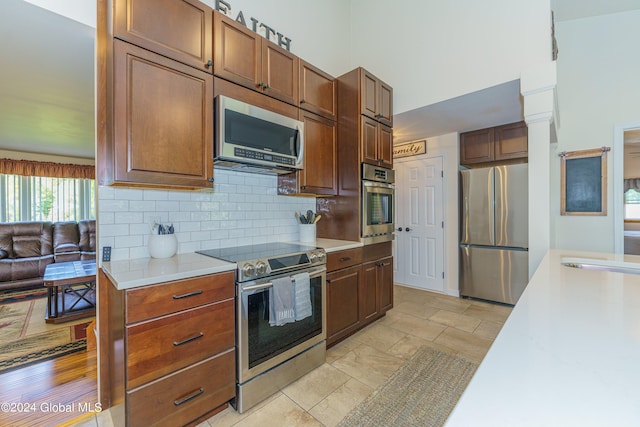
[307, 233]
[162, 245]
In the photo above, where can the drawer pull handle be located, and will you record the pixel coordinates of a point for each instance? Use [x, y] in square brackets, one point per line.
[190, 294]
[344, 259]
[177, 343]
[188, 398]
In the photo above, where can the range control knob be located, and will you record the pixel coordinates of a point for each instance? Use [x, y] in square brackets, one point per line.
[312, 257]
[248, 270]
[261, 268]
[322, 256]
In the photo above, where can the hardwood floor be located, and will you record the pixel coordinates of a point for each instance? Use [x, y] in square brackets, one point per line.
[50, 393]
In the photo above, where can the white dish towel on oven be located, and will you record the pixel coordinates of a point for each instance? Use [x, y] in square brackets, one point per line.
[281, 302]
[302, 286]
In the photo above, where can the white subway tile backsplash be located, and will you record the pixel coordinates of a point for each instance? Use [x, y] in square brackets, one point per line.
[243, 209]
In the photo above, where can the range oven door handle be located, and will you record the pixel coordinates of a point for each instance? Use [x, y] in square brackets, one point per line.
[267, 285]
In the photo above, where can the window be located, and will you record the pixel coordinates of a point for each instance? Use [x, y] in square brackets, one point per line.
[32, 198]
[632, 204]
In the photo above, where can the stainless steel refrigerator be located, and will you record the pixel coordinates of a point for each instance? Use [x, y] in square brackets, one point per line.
[494, 233]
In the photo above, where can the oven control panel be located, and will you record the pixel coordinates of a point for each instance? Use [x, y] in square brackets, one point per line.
[263, 267]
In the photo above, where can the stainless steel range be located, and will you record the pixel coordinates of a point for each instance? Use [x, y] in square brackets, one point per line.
[271, 357]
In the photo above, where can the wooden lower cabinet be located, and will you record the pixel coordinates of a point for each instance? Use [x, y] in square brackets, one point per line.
[171, 348]
[357, 293]
[343, 304]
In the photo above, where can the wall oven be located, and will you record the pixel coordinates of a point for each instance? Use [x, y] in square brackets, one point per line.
[271, 357]
[378, 192]
[253, 139]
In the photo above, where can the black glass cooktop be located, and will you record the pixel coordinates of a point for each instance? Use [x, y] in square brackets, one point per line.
[262, 250]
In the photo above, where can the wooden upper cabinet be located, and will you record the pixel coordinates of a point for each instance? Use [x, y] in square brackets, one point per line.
[476, 146]
[376, 143]
[177, 29]
[320, 173]
[163, 120]
[507, 142]
[511, 141]
[376, 98]
[317, 91]
[385, 146]
[248, 59]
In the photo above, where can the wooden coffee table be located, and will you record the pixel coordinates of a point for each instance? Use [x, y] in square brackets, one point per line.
[71, 290]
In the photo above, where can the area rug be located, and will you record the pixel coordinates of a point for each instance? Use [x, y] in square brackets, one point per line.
[26, 338]
[8, 296]
[421, 393]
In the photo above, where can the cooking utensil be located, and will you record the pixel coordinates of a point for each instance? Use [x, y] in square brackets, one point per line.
[317, 219]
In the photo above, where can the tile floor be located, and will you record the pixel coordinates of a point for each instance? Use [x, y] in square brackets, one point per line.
[361, 363]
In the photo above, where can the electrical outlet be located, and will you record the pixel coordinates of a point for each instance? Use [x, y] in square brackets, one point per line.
[106, 253]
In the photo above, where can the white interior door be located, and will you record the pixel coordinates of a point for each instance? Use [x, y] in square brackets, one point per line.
[419, 247]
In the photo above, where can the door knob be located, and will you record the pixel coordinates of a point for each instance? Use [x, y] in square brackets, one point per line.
[407, 229]
[399, 228]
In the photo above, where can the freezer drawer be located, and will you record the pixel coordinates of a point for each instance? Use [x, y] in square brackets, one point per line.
[493, 274]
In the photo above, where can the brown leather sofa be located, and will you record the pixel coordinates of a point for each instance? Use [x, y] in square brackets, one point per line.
[26, 248]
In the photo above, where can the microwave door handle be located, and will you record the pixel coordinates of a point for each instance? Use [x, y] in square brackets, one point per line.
[299, 145]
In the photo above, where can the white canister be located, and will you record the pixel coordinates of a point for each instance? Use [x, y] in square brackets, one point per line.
[162, 245]
[308, 233]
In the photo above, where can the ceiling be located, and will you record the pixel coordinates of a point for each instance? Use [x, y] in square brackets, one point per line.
[47, 85]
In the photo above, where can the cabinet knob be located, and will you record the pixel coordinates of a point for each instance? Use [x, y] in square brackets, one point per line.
[260, 84]
[302, 101]
[328, 280]
[210, 179]
[266, 86]
[208, 64]
[303, 187]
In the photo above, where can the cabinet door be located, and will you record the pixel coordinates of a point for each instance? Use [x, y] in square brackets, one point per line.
[237, 52]
[385, 104]
[178, 29]
[369, 96]
[369, 140]
[385, 146]
[476, 146]
[385, 283]
[511, 141]
[320, 174]
[163, 120]
[369, 298]
[280, 70]
[343, 305]
[317, 91]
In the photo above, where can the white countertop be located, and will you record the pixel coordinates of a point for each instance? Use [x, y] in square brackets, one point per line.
[148, 271]
[569, 354]
[132, 273]
[332, 245]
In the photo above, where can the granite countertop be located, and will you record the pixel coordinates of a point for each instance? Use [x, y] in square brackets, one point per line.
[132, 273]
[568, 353]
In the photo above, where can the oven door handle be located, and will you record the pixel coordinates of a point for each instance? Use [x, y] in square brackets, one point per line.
[266, 285]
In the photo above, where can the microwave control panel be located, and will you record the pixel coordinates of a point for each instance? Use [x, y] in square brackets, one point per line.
[258, 155]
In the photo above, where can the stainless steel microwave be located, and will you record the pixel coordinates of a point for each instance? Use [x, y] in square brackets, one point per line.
[250, 138]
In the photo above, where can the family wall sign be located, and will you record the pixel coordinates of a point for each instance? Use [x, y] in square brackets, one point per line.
[256, 26]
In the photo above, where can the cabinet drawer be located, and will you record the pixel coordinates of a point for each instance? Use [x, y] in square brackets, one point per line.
[376, 251]
[160, 346]
[157, 300]
[342, 259]
[184, 395]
